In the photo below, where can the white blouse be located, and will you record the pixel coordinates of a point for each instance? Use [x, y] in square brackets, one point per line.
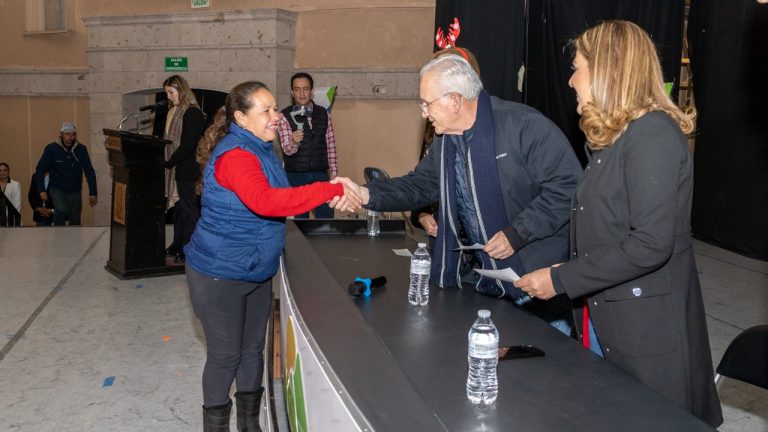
[12, 191]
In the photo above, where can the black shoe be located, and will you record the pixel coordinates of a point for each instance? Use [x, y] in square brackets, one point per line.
[171, 251]
[180, 258]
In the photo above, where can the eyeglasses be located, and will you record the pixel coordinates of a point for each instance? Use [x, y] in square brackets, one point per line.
[424, 106]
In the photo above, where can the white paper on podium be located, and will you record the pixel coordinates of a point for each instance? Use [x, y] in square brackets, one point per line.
[506, 274]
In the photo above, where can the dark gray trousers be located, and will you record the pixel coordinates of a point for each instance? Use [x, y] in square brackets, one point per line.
[234, 315]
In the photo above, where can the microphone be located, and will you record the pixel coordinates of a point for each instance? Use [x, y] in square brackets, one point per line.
[364, 287]
[154, 106]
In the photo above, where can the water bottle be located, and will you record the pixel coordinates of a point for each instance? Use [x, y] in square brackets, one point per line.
[418, 291]
[483, 357]
[373, 223]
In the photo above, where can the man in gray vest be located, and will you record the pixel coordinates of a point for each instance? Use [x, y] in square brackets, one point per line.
[307, 139]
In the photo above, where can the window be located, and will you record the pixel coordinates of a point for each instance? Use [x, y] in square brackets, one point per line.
[45, 16]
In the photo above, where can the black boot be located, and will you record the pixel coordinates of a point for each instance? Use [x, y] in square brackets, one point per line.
[216, 418]
[248, 407]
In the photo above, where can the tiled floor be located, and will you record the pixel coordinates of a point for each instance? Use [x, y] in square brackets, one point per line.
[67, 326]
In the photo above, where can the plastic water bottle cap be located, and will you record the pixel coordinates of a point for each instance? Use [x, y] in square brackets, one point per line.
[422, 245]
[484, 313]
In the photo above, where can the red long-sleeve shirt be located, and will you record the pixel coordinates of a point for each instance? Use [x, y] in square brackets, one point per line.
[240, 171]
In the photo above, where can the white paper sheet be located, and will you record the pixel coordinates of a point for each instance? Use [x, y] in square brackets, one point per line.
[476, 246]
[506, 274]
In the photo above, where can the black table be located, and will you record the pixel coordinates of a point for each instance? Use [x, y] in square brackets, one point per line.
[405, 366]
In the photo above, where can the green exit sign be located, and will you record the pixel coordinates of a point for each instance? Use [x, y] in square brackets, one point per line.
[176, 64]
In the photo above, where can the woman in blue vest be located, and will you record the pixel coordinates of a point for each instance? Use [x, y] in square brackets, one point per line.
[235, 248]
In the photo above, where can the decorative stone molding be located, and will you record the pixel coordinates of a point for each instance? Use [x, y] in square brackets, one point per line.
[48, 82]
[369, 83]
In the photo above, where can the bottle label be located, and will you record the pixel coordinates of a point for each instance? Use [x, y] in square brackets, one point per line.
[420, 268]
[483, 352]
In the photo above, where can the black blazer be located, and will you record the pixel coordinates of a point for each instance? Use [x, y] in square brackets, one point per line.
[35, 201]
[633, 263]
[184, 158]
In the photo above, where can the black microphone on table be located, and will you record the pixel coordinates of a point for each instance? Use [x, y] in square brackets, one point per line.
[364, 287]
[154, 106]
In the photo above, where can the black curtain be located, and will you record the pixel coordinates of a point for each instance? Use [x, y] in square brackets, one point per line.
[553, 23]
[729, 57]
[501, 38]
[494, 30]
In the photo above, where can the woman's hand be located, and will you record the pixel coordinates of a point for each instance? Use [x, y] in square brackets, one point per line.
[537, 284]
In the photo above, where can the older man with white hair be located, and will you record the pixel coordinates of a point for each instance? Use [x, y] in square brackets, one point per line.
[503, 174]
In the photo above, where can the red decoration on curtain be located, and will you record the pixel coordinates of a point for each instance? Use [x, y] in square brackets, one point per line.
[446, 41]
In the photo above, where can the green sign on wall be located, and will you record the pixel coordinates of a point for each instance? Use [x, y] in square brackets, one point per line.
[176, 64]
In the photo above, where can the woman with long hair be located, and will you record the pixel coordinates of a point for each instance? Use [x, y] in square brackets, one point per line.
[632, 271]
[236, 246]
[184, 126]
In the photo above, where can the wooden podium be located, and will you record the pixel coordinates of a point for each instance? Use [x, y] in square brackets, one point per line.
[137, 237]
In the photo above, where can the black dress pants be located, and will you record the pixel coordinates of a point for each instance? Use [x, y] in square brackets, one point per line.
[186, 214]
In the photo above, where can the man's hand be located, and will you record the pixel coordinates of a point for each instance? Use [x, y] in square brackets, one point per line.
[92, 200]
[428, 223]
[498, 247]
[537, 284]
[43, 196]
[44, 211]
[297, 136]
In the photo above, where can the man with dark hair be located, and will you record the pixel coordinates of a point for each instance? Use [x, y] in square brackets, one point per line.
[66, 160]
[307, 139]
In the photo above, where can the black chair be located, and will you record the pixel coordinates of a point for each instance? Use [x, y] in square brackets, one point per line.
[372, 174]
[746, 358]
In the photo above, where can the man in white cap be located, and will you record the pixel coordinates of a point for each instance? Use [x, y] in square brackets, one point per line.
[66, 160]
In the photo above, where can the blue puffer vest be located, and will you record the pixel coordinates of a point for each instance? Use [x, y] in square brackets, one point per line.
[230, 241]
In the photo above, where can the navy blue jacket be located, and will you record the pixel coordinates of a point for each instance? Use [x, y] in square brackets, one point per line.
[537, 171]
[230, 241]
[66, 168]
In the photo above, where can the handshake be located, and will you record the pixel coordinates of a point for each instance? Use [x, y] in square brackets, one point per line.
[355, 196]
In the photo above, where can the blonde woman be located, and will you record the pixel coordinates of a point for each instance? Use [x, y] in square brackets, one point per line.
[184, 127]
[632, 274]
